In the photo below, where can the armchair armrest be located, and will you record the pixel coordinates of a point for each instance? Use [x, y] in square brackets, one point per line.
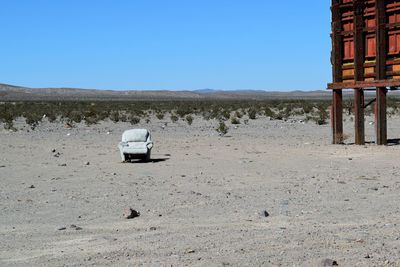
[149, 145]
[122, 144]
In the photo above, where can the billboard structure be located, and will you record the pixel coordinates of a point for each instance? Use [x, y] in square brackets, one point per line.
[365, 56]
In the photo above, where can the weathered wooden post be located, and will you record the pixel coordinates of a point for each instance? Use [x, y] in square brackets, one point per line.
[380, 116]
[337, 117]
[359, 117]
[337, 55]
[381, 52]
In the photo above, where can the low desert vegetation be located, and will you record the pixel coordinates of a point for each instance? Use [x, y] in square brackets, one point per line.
[224, 112]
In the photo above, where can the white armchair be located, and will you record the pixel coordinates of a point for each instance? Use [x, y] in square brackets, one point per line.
[136, 144]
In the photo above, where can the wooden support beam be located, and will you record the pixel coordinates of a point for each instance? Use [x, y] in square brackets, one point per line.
[381, 50]
[337, 38]
[359, 116]
[380, 116]
[337, 62]
[337, 117]
[364, 84]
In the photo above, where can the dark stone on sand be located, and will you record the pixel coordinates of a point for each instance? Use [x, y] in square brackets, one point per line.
[265, 213]
[329, 262]
[75, 227]
[131, 213]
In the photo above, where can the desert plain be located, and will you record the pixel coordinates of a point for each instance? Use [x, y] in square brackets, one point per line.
[268, 193]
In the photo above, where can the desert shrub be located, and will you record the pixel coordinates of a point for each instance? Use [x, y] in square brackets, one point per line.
[268, 112]
[51, 117]
[114, 116]
[33, 119]
[75, 116]
[7, 116]
[182, 111]
[206, 115]
[235, 120]
[91, 120]
[222, 128]
[133, 119]
[348, 107]
[189, 119]
[225, 114]
[307, 107]
[8, 121]
[174, 118]
[103, 115]
[238, 114]
[279, 116]
[91, 117]
[322, 115]
[252, 113]
[123, 117]
[160, 116]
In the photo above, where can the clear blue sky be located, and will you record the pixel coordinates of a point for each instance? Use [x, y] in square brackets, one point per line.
[166, 44]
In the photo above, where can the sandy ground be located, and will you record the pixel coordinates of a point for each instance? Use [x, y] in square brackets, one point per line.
[202, 198]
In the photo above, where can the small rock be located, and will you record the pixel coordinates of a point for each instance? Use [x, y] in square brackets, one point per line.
[329, 262]
[265, 213]
[189, 251]
[62, 165]
[53, 150]
[131, 213]
[87, 163]
[367, 256]
[32, 186]
[61, 228]
[153, 228]
[350, 158]
[75, 227]
[2, 166]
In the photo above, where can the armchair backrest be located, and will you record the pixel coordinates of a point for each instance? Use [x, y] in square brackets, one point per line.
[135, 135]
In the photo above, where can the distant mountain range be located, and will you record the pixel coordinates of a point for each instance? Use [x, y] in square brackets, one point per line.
[12, 92]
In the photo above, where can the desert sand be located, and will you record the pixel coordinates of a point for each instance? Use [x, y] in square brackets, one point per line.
[202, 199]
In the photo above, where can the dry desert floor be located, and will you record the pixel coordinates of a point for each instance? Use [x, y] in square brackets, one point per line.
[203, 199]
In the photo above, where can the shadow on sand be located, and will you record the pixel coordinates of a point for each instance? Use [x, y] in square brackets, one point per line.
[152, 160]
[393, 142]
[390, 142]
